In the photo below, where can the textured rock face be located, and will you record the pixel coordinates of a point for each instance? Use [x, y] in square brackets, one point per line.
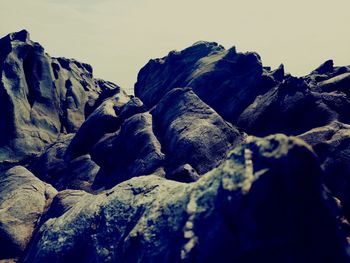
[332, 144]
[262, 204]
[173, 174]
[224, 79]
[191, 132]
[40, 96]
[23, 199]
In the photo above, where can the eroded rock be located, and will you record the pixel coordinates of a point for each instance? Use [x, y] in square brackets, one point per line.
[23, 199]
[264, 203]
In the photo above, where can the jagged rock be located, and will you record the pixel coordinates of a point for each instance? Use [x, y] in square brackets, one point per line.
[133, 151]
[332, 145]
[191, 132]
[173, 194]
[338, 83]
[326, 67]
[64, 201]
[52, 167]
[224, 79]
[161, 75]
[184, 173]
[23, 199]
[325, 72]
[103, 120]
[265, 203]
[293, 108]
[40, 96]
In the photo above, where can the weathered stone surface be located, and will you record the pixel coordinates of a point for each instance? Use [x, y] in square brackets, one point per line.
[147, 178]
[191, 132]
[293, 108]
[224, 79]
[52, 167]
[332, 145]
[40, 96]
[133, 151]
[64, 201]
[103, 120]
[23, 199]
[262, 204]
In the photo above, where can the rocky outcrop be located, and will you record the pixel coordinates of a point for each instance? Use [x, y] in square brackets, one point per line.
[23, 199]
[191, 132]
[133, 151]
[225, 80]
[40, 96]
[293, 108]
[332, 145]
[262, 204]
[173, 173]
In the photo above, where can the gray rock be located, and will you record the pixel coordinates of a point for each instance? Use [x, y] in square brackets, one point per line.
[225, 80]
[40, 97]
[133, 151]
[23, 199]
[63, 202]
[103, 120]
[52, 167]
[293, 108]
[191, 132]
[263, 204]
[332, 145]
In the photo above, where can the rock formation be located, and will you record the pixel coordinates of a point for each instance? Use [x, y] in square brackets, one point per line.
[216, 158]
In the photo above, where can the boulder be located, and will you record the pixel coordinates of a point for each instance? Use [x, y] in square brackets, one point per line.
[226, 80]
[133, 151]
[52, 167]
[265, 203]
[191, 132]
[103, 120]
[332, 145]
[23, 200]
[293, 108]
[40, 97]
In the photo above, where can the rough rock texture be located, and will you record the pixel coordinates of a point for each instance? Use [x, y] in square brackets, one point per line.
[293, 108]
[216, 75]
[52, 167]
[262, 204]
[332, 145]
[173, 174]
[191, 132]
[133, 152]
[23, 199]
[103, 120]
[40, 96]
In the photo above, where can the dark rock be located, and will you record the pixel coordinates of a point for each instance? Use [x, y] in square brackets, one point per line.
[103, 120]
[23, 199]
[337, 83]
[184, 173]
[63, 202]
[40, 97]
[225, 80]
[52, 167]
[293, 108]
[191, 132]
[278, 74]
[133, 151]
[332, 145]
[265, 203]
[326, 67]
[161, 75]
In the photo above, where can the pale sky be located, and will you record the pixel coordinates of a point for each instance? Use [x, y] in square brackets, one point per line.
[118, 37]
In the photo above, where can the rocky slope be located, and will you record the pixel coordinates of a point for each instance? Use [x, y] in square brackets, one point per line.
[181, 171]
